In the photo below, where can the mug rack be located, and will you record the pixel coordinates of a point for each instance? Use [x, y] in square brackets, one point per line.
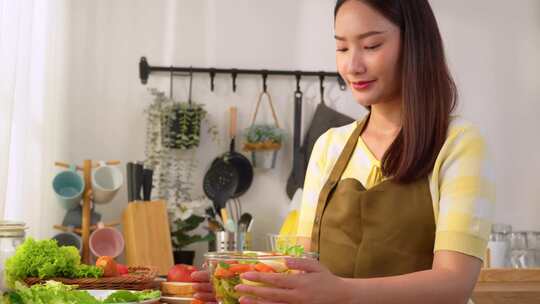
[86, 168]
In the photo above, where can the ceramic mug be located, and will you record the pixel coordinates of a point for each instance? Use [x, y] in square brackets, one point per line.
[68, 187]
[74, 217]
[106, 241]
[68, 239]
[106, 181]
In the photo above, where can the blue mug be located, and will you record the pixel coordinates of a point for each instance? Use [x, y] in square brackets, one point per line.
[68, 239]
[68, 187]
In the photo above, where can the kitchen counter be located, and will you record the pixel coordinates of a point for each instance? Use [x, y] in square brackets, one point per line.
[508, 286]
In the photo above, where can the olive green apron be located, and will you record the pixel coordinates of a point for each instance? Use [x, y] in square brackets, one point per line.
[386, 230]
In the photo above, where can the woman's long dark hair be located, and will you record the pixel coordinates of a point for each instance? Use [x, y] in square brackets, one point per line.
[428, 90]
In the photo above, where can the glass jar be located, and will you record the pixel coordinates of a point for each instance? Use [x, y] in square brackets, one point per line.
[533, 240]
[521, 255]
[12, 234]
[499, 246]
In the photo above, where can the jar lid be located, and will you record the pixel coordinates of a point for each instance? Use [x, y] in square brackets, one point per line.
[11, 223]
[12, 233]
[12, 229]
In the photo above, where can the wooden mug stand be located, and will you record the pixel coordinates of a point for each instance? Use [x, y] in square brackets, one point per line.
[87, 167]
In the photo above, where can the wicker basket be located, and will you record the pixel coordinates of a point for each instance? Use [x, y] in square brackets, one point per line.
[139, 278]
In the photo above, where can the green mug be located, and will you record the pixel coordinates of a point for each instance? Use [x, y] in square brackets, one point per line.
[68, 187]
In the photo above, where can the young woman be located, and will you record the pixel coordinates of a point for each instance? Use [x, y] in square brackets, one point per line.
[398, 205]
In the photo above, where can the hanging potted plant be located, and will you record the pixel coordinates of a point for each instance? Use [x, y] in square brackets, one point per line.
[182, 125]
[182, 122]
[264, 140]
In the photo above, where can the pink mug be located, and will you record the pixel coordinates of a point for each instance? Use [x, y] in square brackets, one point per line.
[106, 241]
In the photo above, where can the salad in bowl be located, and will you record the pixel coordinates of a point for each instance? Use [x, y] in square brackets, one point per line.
[226, 267]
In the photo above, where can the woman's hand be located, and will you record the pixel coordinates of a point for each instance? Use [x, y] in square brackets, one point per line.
[314, 285]
[203, 287]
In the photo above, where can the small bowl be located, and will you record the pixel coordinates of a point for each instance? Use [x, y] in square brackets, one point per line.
[226, 267]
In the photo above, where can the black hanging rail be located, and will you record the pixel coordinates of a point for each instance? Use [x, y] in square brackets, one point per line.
[145, 70]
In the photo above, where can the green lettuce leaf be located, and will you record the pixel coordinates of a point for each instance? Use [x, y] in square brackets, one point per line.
[45, 259]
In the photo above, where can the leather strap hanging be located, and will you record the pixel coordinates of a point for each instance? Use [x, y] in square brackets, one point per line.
[269, 98]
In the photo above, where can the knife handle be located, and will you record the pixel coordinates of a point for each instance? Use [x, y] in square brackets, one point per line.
[129, 173]
[147, 184]
[138, 181]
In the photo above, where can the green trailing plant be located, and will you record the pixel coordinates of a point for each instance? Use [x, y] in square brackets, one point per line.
[172, 157]
[182, 125]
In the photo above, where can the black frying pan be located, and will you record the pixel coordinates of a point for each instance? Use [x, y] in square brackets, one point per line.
[238, 161]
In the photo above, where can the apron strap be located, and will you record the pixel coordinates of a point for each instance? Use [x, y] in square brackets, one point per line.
[333, 179]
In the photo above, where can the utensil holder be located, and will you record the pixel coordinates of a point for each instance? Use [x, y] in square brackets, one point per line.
[232, 241]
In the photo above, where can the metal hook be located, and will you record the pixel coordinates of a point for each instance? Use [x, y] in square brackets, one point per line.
[190, 84]
[321, 82]
[171, 84]
[298, 77]
[212, 76]
[234, 74]
[264, 76]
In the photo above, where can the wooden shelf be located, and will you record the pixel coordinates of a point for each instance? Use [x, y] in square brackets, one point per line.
[508, 286]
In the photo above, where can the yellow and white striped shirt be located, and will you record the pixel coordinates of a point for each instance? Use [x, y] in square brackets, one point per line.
[462, 184]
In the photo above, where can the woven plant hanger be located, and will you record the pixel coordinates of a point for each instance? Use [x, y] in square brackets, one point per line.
[268, 145]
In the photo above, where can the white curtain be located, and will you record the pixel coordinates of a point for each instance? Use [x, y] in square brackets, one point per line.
[31, 96]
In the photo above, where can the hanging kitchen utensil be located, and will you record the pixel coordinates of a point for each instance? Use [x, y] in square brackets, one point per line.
[230, 175]
[323, 119]
[240, 162]
[220, 183]
[295, 180]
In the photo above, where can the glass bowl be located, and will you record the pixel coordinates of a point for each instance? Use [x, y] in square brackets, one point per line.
[226, 267]
[284, 243]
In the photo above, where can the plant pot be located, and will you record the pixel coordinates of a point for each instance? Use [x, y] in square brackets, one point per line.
[264, 159]
[182, 127]
[184, 257]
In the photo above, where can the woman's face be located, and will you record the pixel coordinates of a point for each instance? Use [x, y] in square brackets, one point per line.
[368, 53]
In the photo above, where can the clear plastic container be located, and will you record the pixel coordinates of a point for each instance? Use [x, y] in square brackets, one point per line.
[226, 267]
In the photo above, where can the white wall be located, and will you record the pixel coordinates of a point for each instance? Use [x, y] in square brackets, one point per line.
[494, 52]
[492, 46]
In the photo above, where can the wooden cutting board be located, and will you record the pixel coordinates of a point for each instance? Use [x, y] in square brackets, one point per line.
[147, 235]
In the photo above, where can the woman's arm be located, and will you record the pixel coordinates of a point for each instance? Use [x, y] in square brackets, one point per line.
[451, 280]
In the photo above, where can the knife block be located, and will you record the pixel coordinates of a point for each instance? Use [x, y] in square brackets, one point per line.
[147, 235]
